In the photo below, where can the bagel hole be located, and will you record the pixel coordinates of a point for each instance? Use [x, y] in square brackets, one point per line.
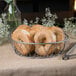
[42, 40]
[20, 40]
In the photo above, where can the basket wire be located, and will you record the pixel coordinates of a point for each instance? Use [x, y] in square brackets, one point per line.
[34, 54]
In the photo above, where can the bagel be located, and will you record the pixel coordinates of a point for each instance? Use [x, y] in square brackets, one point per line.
[43, 36]
[22, 34]
[24, 27]
[60, 36]
[34, 29]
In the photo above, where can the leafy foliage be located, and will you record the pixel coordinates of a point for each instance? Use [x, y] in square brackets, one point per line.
[47, 20]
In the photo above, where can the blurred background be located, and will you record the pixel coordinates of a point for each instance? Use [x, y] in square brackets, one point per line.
[36, 8]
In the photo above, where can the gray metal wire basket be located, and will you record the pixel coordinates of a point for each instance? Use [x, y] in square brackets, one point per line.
[34, 54]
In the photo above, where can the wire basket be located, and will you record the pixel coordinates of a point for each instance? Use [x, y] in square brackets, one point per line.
[58, 48]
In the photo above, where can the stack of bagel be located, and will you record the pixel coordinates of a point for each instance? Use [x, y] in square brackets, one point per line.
[38, 34]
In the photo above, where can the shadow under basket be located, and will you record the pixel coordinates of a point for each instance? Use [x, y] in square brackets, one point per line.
[51, 49]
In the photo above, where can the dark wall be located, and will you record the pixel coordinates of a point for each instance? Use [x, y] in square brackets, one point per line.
[33, 8]
[2, 6]
[40, 5]
[36, 8]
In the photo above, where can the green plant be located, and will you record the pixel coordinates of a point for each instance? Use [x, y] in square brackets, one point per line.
[70, 26]
[47, 20]
[4, 29]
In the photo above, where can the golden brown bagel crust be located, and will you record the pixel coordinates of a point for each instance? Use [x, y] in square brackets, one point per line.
[60, 36]
[38, 34]
[22, 34]
[58, 32]
[43, 36]
[25, 27]
[34, 29]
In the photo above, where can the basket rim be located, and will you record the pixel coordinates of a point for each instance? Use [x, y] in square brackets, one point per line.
[66, 38]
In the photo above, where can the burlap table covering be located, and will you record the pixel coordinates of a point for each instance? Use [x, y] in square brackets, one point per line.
[12, 64]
